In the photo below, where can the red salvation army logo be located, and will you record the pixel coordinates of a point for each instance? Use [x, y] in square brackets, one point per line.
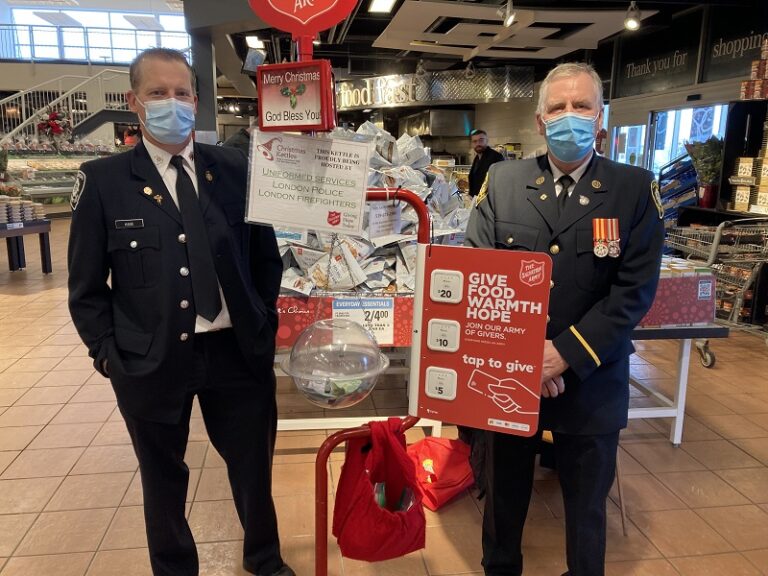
[531, 272]
[302, 16]
[334, 218]
[266, 148]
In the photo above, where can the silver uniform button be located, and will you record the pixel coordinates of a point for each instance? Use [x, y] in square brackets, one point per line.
[184, 337]
[184, 271]
[182, 238]
[184, 304]
[134, 244]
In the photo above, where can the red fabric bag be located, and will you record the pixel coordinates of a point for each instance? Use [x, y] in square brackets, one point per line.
[364, 529]
[443, 470]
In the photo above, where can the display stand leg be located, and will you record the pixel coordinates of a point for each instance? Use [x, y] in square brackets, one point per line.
[683, 363]
[22, 258]
[45, 253]
[13, 254]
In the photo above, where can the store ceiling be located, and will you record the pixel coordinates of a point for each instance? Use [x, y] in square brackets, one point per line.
[447, 34]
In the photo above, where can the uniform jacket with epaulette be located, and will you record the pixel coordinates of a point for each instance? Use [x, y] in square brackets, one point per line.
[595, 303]
[136, 319]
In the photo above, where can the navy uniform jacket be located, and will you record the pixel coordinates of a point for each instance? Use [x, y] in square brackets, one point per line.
[595, 303]
[125, 223]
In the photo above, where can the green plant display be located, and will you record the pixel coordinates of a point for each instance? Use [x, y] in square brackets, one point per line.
[707, 158]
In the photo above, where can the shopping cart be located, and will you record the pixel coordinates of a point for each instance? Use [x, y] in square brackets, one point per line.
[736, 251]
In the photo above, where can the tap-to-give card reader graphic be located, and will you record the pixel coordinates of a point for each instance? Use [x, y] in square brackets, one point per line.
[480, 319]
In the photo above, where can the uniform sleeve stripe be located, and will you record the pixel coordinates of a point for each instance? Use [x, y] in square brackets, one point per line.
[587, 347]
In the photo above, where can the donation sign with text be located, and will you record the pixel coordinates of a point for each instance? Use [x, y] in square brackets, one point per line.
[307, 183]
[479, 332]
[296, 96]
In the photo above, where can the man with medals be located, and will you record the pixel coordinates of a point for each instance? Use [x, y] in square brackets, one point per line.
[600, 222]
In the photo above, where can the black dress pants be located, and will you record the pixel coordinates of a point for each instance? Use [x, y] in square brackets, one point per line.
[240, 416]
[586, 467]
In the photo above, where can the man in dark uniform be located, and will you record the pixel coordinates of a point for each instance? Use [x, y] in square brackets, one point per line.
[190, 310]
[601, 224]
[484, 157]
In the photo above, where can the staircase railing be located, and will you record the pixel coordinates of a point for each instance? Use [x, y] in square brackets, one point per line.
[77, 97]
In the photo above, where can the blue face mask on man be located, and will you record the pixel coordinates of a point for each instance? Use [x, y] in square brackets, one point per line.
[570, 136]
[169, 121]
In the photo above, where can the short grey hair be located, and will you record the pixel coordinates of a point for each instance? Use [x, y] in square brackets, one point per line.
[569, 70]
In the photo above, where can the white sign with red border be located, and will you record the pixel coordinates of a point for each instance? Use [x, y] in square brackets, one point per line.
[306, 182]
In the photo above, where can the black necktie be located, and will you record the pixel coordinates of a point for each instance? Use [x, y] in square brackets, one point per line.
[565, 183]
[205, 286]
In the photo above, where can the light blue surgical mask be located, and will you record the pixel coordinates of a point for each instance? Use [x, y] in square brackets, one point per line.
[570, 136]
[169, 121]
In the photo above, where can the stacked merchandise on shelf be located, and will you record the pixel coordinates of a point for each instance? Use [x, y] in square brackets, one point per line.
[685, 296]
[749, 182]
[15, 210]
[677, 184]
[757, 86]
[383, 260]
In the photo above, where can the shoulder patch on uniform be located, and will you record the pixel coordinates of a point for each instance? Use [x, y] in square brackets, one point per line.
[77, 190]
[483, 192]
[656, 195]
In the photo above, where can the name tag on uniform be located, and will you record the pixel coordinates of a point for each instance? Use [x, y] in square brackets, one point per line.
[126, 224]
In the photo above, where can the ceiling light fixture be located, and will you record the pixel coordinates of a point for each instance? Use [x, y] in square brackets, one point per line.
[632, 21]
[507, 14]
[469, 71]
[381, 6]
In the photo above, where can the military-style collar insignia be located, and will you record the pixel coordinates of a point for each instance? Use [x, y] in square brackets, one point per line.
[157, 160]
[540, 181]
[159, 199]
[208, 176]
[657, 198]
[148, 191]
[543, 197]
[596, 184]
[583, 200]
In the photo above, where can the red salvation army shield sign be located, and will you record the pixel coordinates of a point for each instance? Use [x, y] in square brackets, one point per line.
[302, 17]
[532, 272]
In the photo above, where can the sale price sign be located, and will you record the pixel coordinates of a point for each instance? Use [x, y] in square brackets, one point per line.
[479, 330]
[376, 314]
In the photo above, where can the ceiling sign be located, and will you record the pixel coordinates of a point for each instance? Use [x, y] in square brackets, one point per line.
[302, 17]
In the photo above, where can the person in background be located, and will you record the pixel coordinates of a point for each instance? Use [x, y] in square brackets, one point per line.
[601, 223]
[241, 139]
[131, 136]
[175, 297]
[485, 156]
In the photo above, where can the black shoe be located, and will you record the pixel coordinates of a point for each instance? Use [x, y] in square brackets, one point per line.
[284, 570]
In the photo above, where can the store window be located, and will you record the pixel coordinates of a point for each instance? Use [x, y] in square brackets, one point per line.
[105, 37]
[673, 128]
[628, 144]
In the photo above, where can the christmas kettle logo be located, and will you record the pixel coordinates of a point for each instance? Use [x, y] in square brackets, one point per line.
[266, 148]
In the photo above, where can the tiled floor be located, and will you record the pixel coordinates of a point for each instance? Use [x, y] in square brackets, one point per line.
[70, 498]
